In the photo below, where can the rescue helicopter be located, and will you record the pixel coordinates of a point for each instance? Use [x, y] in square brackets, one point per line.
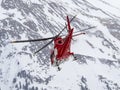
[62, 44]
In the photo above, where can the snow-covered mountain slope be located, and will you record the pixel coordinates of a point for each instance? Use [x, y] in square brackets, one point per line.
[98, 51]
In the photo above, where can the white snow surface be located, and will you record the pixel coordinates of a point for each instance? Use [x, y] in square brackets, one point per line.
[69, 77]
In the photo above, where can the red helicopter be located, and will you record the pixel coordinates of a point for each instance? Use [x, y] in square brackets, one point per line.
[62, 44]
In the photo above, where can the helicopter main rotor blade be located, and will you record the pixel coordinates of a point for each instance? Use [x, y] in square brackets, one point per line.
[34, 40]
[87, 28]
[77, 32]
[44, 46]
